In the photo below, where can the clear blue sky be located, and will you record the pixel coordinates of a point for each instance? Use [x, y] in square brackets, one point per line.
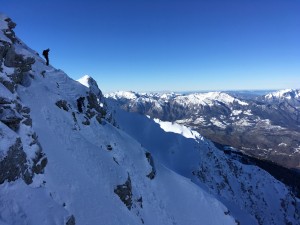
[174, 45]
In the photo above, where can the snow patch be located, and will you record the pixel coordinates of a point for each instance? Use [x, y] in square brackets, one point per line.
[178, 129]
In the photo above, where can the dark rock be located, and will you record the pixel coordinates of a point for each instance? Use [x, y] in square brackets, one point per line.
[86, 122]
[62, 104]
[80, 104]
[116, 160]
[39, 163]
[109, 147]
[90, 113]
[152, 174]
[10, 23]
[140, 202]
[74, 117]
[27, 122]
[10, 117]
[99, 119]
[71, 220]
[9, 32]
[12, 59]
[4, 101]
[13, 166]
[25, 110]
[124, 191]
[93, 102]
[3, 50]
[9, 85]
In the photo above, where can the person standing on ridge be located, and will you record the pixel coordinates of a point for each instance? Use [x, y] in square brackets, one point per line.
[45, 54]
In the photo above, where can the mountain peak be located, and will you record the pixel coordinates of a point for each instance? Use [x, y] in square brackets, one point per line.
[288, 94]
[90, 82]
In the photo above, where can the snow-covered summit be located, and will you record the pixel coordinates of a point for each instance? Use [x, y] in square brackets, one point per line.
[90, 83]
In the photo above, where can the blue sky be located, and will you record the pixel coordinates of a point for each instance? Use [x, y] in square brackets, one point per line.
[167, 45]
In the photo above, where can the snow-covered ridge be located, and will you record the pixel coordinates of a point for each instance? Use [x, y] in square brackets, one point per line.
[94, 173]
[284, 94]
[208, 98]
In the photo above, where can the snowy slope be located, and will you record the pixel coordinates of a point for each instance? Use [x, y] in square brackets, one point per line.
[266, 127]
[251, 194]
[95, 173]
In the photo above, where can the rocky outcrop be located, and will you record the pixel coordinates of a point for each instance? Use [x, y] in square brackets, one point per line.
[71, 220]
[9, 31]
[96, 105]
[9, 116]
[152, 174]
[62, 104]
[13, 165]
[124, 191]
[20, 64]
[21, 154]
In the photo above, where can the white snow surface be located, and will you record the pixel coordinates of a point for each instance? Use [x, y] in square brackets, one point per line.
[122, 94]
[251, 194]
[82, 173]
[84, 80]
[209, 98]
[177, 128]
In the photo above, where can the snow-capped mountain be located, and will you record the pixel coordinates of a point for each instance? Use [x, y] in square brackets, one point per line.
[260, 128]
[290, 96]
[62, 162]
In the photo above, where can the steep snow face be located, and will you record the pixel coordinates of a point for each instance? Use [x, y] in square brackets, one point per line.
[96, 173]
[251, 194]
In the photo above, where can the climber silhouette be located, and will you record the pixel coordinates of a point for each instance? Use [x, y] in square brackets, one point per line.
[45, 54]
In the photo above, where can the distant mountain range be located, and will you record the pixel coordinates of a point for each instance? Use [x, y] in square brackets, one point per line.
[266, 127]
[70, 156]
